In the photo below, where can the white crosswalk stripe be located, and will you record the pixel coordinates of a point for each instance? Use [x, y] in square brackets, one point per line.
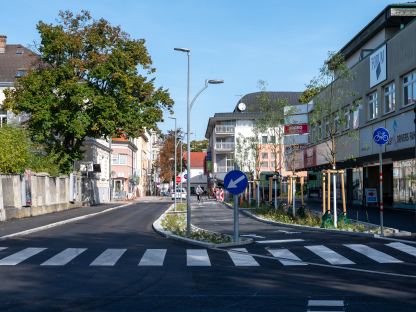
[240, 259]
[197, 257]
[404, 248]
[286, 257]
[324, 305]
[21, 256]
[3, 248]
[373, 254]
[109, 257]
[329, 255]
[153, 257]
[64, 257]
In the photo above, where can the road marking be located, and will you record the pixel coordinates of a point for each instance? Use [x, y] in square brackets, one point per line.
[20, 256]
[404, 248]
[64, 257]
[286, 257]
[373, 254]
[109, 257]
[3, 248]
[287, 232]
[326, 304]
[239, 257]
[197, 257]
[277, 241]
[153, 257]
[329, 255]
[253, 236]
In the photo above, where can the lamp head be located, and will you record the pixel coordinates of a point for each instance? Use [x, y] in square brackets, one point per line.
[215, 81]
[182, 50]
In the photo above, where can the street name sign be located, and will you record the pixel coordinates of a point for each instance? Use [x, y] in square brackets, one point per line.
[235, 182]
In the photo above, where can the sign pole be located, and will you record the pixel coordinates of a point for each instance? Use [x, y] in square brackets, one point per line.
[381, 190]
[236, 219]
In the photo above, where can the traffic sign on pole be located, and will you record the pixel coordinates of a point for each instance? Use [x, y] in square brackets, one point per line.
[235, 182]
[381, 136]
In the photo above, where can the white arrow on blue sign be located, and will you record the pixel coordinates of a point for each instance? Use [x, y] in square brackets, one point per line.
[381, 136]
[235, 182]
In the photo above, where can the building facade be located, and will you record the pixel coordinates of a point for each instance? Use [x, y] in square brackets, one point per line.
[382, 58]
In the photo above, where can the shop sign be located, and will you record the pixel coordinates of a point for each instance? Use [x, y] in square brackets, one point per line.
[371, 196]
[296, 129]
[378, 66]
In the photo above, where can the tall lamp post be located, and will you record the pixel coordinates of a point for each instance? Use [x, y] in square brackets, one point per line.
[174, 180]
[189, 105]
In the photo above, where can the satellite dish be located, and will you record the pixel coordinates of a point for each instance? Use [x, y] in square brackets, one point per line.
[241, 107]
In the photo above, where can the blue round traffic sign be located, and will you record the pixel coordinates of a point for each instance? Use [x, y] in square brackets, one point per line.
[381, 136]
[235, 182]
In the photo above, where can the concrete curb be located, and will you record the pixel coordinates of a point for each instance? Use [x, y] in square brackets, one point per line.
[55, 224]
[157, 226]
[297, 226]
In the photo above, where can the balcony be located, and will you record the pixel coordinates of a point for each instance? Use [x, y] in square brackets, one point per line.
[224, 130]
[224, 146]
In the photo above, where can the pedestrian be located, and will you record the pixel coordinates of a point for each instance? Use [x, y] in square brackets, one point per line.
[199, 192]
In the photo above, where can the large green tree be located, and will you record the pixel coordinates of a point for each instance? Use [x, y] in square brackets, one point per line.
[93, 81]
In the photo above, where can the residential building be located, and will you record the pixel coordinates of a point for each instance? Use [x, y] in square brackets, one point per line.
[226, 131]
[198, 174]
[382, 59]
[15, 61]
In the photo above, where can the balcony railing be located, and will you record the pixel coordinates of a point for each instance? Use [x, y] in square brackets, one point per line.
[224, 146]
[223, 169]
[224, 129]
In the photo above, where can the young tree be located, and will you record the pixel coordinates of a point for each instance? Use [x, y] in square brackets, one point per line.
[329, 115]
[247, 153]
[93, 81]
[199, 146]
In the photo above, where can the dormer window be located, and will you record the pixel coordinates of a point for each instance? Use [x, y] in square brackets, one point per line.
[19, 51]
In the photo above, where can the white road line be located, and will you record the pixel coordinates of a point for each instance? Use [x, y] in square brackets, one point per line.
[109, 257]
[3, 248]
[64, 257]
[252, 236]
[325, 303]
[404, 248]
[329, 255]
[373, 254]
[197, 257]
[153, 257]
[286, 257]
[277, 241]
[240, 259]
[20, 256]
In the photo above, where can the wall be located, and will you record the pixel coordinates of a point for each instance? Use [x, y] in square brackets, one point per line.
[42, 194]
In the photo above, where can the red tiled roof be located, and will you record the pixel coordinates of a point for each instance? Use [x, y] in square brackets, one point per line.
[197, 159]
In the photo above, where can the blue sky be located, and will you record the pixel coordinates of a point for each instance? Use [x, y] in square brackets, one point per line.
[240, 41]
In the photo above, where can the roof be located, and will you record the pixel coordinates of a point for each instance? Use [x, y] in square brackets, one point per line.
[197, 159]
[16, 57]
[252, 107]
[394, 15]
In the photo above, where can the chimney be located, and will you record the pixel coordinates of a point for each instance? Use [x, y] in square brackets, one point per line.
[3, 40]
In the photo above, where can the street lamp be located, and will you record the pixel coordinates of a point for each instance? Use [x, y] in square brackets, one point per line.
[189, 105]
[174, 180]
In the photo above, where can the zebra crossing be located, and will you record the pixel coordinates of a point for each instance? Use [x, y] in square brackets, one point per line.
[239, 257]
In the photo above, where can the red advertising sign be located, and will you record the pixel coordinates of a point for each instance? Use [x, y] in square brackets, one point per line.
[296, 129]
[178, 179]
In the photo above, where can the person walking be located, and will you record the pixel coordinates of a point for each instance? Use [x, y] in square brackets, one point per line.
[199, 192]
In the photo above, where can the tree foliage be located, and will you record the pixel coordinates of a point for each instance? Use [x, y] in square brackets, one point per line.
[167, 156]
[18, 153]
[199, 146]
[329, 115]
[93, 81]
[247, 153]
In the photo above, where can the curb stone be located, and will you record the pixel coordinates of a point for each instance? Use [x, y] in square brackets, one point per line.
[157, 226]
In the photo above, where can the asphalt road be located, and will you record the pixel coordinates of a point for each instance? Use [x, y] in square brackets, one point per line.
[142, 271]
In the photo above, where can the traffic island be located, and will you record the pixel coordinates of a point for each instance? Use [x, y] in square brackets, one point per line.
[172, 224]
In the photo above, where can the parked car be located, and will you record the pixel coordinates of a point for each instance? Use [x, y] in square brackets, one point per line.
[180, 193]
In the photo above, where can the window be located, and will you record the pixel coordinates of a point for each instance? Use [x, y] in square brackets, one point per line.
[264, 155]
[264, 164]
[389, 98]
[19, 51]
[20, 73]
[347, 119]
[356, 114]
[409, 88]
[319, 131]
[273, 139]
[122, 159]
[326, 129]
[114, 158]
[336, 124]
[372, 106]
[264, 139]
